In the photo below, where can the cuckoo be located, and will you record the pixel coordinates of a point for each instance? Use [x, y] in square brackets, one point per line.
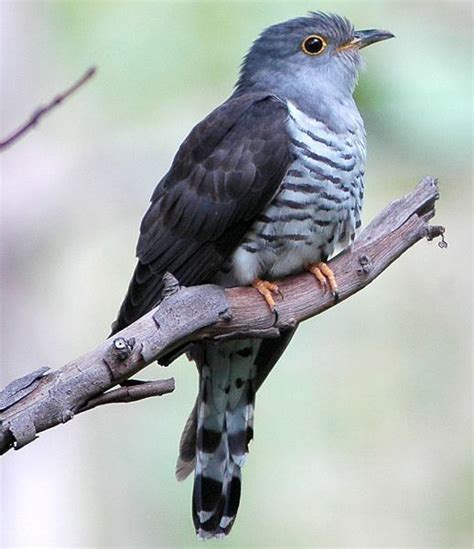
[269, 184]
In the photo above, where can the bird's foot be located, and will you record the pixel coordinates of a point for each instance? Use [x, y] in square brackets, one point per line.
[325, 276]
[266, 289]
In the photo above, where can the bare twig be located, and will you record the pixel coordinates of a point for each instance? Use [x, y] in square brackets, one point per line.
[41, 111]
[131, 393]
[45, 399]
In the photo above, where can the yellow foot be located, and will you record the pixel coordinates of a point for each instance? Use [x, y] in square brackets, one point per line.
[267, 289]
[325, 277]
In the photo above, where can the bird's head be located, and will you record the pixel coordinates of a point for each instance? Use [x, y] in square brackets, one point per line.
[309, 53]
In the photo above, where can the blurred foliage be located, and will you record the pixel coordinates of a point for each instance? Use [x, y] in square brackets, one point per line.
[363, 429]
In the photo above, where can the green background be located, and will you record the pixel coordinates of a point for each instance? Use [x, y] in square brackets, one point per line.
[363, 430]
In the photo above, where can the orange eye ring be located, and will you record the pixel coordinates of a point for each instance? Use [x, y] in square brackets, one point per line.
[314, 45]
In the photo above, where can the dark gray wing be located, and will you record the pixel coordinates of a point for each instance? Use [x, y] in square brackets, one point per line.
[223, 176]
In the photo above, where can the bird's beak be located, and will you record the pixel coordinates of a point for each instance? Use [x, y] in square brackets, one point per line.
[365, 38]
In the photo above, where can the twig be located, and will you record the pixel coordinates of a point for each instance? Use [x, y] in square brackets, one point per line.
[131, 393]
[41, 111]
[42, 400]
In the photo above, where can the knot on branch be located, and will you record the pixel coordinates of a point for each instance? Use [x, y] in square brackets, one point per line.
[435, 231]
[366, 264]
[123, 347]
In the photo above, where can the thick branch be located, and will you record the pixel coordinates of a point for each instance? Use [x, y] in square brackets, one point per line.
[42, 400]
[42, 111]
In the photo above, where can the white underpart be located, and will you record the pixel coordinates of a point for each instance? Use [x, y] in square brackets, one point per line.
[317, 207]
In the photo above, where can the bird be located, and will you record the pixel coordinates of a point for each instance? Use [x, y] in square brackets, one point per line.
[269, 184]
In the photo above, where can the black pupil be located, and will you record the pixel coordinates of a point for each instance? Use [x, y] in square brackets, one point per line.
[314, 44]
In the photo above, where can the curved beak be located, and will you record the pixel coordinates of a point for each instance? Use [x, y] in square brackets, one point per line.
[365, 38]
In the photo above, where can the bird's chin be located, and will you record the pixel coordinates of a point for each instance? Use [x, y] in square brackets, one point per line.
[354, 56]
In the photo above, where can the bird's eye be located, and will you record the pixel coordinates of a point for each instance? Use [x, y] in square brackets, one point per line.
[313, 45]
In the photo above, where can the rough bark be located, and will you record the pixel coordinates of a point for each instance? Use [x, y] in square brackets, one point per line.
[46, 398]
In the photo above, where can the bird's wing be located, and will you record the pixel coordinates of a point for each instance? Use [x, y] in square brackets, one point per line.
[223, 176]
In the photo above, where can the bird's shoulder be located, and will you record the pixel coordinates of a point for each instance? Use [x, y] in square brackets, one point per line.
[241, 120]
[223, 174]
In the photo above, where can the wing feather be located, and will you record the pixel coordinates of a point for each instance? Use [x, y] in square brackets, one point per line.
[224, 174]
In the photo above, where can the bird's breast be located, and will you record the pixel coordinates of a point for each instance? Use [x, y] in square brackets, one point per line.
[316, 208]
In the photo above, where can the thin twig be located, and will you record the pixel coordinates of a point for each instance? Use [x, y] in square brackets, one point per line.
[41, 111]
[131, 393]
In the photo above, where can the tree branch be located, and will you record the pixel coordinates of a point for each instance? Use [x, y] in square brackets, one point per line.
[132, 392]
[44, 399]
[41, 111]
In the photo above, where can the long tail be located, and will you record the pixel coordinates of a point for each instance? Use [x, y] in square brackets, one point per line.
[216, 436]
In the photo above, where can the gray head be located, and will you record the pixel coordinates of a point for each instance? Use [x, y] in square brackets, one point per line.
[316, 55]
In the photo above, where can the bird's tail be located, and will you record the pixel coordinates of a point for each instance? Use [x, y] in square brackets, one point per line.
[216, 437]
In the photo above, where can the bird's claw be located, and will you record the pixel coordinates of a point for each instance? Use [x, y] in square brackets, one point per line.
[325, 276]
[266, 289]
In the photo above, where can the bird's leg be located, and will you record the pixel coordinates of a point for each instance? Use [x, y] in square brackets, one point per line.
[267, 289]
[325, 277]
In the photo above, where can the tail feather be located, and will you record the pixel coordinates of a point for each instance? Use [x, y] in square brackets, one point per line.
[217, 434]
[222, 421]
[215, 502]
[187, 447]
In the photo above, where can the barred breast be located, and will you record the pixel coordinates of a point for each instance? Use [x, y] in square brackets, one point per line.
[317, 207]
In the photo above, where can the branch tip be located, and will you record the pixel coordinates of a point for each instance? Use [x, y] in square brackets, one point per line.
[436, 231]
[131, 392]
